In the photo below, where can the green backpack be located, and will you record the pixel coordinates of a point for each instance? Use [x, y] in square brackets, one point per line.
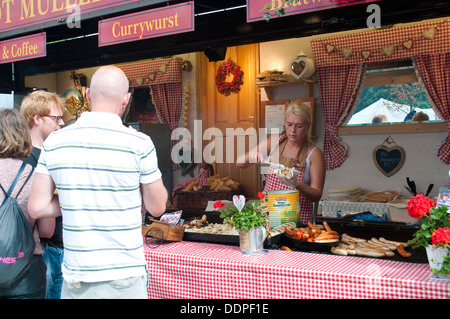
[16, 238]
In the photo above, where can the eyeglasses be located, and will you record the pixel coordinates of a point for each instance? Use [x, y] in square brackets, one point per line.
[57, 119]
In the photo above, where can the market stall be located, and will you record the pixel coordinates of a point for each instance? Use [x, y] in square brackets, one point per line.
[201, 270]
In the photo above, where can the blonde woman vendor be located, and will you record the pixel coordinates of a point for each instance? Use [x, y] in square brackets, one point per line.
[292, 149]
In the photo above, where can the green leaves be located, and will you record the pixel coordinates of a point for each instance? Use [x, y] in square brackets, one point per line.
[249, 217]
[437, 218]
[279, 11]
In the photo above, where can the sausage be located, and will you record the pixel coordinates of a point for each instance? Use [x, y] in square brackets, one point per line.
[326, 240]
[376, 249]
[285, 248]
[326, 237]
[328, 233]
[294, 233]
[326, 226]
[355, 239]
[367, 252]
[402, 252]
[312, 226]
[397, 243]
[339, 251]
[372, 244]
[389, 245]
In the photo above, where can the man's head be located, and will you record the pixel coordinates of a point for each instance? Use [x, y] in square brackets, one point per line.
[43, 112]
[108, 91]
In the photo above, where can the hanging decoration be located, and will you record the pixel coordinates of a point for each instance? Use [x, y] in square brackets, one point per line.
[186, 66]
[75, 98]
[225, 69]
[185, 119]
[146, 79]
[386, 50]
[388, 160]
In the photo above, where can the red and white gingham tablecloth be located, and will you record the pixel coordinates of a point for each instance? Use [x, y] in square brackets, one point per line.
[184, 270]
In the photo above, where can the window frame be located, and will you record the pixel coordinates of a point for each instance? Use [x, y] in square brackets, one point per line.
[390, 128]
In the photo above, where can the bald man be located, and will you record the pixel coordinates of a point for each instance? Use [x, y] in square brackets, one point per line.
[103, 172]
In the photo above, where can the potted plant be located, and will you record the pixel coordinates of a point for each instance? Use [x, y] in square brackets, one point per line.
[434, 232]
[249, 220]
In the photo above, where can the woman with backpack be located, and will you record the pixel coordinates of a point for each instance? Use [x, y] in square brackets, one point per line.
[30, 281]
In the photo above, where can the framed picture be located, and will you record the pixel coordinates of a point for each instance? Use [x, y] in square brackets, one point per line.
[272, 115]
[310, 102]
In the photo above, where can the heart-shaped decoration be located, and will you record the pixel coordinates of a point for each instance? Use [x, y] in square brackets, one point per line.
[330, 48]
[347, 52]
[408, 44]
[298, 68]
[239, 201]
[365, 54]
[429, 34]
[163, 68]
[388, 160]
[302, 67]
[151, 76]
[388, 50]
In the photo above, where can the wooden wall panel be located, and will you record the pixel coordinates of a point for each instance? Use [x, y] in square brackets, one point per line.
[237, 110]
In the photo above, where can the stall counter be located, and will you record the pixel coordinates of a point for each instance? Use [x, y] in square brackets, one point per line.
[183, 270]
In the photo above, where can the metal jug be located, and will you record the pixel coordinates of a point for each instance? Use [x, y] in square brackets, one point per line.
[252, 241]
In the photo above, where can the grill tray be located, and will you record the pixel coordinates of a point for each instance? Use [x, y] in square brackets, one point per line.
[419, 254]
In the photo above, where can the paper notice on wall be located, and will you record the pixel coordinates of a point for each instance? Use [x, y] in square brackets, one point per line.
[274, 117]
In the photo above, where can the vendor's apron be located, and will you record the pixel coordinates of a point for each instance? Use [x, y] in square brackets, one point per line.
[306, 207]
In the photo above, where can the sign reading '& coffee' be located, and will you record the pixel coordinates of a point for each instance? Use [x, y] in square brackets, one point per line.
[147, 24]
[24, 48]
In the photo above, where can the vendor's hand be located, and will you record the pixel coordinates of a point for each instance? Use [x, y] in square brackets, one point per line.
[290, 182]
[255, 157]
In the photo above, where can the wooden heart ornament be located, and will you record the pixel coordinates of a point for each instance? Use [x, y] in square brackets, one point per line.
[388, 160]
[239, 201]
[302, 67]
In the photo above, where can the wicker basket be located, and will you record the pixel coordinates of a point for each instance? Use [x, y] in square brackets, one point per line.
[198, 200]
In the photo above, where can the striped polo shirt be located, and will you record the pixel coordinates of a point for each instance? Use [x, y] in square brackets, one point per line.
[97, 165]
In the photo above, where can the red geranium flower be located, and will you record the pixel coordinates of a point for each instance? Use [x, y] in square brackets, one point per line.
[218, 204]
[261, 195]
[419, 206]
[440, 236]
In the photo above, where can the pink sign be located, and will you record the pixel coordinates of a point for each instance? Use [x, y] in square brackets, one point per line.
[255, 8]
[24, 13]
[147, 24]
[24, 48]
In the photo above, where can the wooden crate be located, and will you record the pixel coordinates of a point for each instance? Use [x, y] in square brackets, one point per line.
[163, 231]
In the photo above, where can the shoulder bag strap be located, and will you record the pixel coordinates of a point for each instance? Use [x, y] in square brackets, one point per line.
[29, 175]
[13, 184]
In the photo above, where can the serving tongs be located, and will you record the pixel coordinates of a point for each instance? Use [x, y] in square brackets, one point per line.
[413, 190]
[277, 166]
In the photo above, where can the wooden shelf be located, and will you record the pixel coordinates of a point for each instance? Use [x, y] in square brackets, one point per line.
[269, 85]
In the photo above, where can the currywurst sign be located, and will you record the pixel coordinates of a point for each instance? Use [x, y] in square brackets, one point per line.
[147, 24]
[256, 8]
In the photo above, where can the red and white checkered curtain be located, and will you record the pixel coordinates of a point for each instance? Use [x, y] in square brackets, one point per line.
[340, 60]
[338, 87]
[434, 73]
[163, 76]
